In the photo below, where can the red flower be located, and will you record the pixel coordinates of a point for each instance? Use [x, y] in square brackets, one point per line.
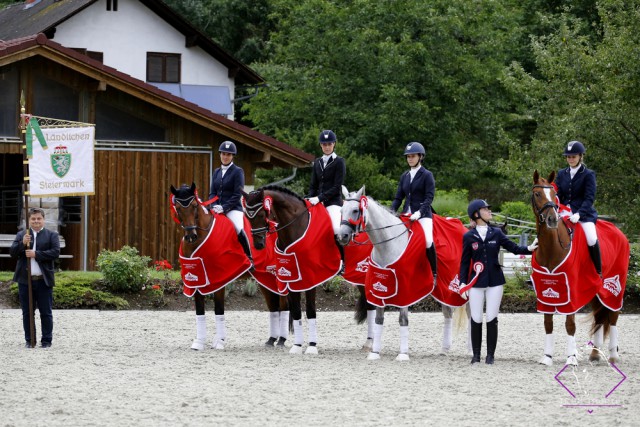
[157, 287]
[163, 265]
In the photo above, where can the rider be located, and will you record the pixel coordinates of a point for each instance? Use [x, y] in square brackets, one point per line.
[227, 183]
[576, 187]
[327, 178]
[481, 246]
[419, 188]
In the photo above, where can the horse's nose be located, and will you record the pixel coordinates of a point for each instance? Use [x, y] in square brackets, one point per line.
[343, 239]
[258, 244]
[191, 237]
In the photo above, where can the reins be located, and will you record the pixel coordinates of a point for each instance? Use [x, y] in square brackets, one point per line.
[186, 203]
[271, 226]
[542, 219]
[358, 226]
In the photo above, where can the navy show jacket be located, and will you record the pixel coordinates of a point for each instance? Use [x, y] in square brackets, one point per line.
[326, 182]
[47, 251]
[419, 193]
[228, 188]
[579, 192]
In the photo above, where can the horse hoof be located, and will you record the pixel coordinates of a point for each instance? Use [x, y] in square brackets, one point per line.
[594, 356]
[197, 345]
[295, 349]
[546, 360]
[312, 349]
[368, 345]
[270, 342]
[402, 357]
[572, 360]
[218, 344]
[444, 351]
[280, 344]
[373, 356]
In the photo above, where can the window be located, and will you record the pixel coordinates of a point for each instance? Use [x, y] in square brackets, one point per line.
[53, 99]
[115, 124]
[70, 210]
[163, 67]
[98, 56]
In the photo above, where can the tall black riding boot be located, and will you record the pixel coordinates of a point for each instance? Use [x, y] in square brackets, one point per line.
[341, 249]
[476, 340]
[244, 242]
[433, 261]
[492, 340]
[594, 252]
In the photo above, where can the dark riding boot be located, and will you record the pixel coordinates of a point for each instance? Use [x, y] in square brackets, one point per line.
[476, 340]
[433, 261]
[492, 340]
[594, 252]
[341, 249]
[244, 242]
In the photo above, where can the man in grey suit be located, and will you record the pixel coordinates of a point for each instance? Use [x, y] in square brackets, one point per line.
[38, 247]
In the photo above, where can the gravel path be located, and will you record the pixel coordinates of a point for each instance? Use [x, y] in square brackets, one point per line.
[126, 368]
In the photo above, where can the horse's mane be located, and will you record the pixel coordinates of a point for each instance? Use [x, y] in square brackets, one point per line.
[281, 190]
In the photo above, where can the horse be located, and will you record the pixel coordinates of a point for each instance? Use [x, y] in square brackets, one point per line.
[198, 224]
[390, 238]
[555, 243]
[273, 209]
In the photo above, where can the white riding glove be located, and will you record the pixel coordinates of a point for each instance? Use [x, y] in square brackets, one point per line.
[217, 209]
[314, 200]
[533, 246]
[465, 294]
[574, 218]
[415, 216]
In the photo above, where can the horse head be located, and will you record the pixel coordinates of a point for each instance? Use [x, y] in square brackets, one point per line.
[352, 215]
[257, 212]
[187, 211]
[543, 201]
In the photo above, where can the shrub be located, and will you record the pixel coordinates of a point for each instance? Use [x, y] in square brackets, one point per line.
[452, 203]
[633, 279]
[517, 210]
[124, 270]
[67, 294]
[250, 288]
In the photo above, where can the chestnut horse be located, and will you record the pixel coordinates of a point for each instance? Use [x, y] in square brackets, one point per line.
[555, 243]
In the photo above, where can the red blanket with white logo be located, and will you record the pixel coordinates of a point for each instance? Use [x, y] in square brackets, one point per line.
[356, 258]
[214, 265]
[574, 283]
[447, 236]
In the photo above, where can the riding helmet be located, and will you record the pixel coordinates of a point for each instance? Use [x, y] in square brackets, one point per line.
[327, 137]
[414, 148]
[475, 206]
[228, 147]
[574, 147]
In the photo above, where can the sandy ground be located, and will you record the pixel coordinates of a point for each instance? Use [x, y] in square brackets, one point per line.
[130, 368]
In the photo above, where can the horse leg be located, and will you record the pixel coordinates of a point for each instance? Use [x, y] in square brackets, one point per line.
[284, 321]
[201, 323]
[547, 357]
[403, 320]
[310, 301]
[377, 335]
[614, 357]
[447, 334]
[570, 326]
[274, 316]
[221, 332]
[296, 315]
[365, 311]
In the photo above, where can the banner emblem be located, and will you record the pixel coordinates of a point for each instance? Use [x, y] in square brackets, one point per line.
[61, 161]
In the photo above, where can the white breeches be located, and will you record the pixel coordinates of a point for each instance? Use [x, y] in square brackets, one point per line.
[336, 215]
[590, 232]
[477, 297]
[237, 218]
[427, 226]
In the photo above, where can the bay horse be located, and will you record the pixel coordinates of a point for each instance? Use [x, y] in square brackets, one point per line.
[197, 221]
[390, 238]
[273, 209]
[555, 243]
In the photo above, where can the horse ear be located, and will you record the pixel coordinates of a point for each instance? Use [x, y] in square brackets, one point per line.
[345, 192]
[244, 194]
[173, 190]
[536, 176]
[193, 187]
[552, 176]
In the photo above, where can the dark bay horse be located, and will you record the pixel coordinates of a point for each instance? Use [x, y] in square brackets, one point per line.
[274, 209]
[555, 242]
[197, 221]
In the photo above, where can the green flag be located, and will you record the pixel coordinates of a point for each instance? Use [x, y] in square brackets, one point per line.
[32, 127]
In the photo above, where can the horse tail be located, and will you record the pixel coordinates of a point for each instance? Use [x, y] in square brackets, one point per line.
[600, 316]
[460, 318]
[360, 314]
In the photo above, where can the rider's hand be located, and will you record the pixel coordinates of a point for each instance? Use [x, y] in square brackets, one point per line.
[415, 216]
[217, 209]
[314, 200]
[533, 246]
[574, 218]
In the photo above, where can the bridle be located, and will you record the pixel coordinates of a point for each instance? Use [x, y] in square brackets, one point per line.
[270, 226]
[186, 203]
[540, 212]
[359, 224]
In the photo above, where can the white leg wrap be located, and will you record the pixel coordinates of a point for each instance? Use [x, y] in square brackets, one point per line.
[313, 331]
[447, 336]
[201, 327]
[371, 320]
[404, 340]
[598, 337]
[298, 335]
[284, 324]
[377, 338]
[549, 344]
[613, 342]
[274, 325]
[571, 345]
[221, 331]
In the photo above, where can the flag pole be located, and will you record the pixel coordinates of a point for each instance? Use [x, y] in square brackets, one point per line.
[24, 119]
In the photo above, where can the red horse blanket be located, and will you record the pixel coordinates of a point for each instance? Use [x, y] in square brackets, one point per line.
[214, 265]
[447, 236]
[573, 283]
[356, 258]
